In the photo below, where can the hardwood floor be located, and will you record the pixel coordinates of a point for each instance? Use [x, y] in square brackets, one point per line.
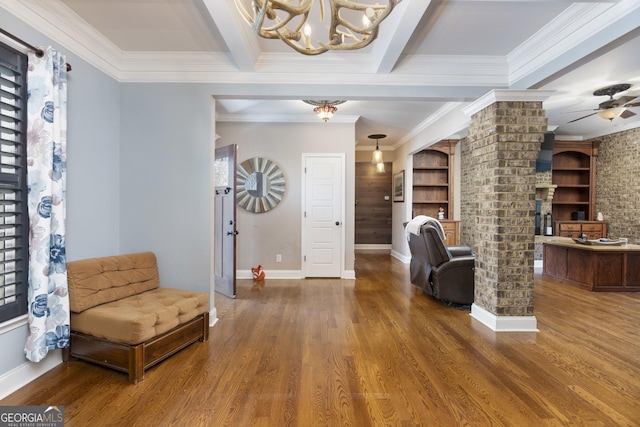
[373, 352]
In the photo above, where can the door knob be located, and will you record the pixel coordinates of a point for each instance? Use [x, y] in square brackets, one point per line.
[337, 222]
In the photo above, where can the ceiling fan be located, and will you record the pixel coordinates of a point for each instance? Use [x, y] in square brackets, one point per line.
[612, 108]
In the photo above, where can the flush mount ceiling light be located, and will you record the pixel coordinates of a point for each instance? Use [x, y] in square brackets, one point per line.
[324, 109]
[352, 25]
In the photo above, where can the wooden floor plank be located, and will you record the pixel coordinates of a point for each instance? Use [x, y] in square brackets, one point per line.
[373, 351]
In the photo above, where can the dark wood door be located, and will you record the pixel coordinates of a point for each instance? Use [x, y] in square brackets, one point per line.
[374, 197]
[225, 221]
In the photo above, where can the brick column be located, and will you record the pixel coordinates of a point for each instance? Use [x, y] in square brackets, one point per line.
[506, 130]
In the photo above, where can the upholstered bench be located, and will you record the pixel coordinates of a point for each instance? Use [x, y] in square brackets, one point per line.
[122, 319]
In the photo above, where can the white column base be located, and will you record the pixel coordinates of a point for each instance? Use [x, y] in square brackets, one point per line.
[504, 323]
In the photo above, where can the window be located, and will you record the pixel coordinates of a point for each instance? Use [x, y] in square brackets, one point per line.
[14, 221]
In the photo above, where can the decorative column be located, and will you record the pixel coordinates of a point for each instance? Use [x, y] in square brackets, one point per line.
[506, 130]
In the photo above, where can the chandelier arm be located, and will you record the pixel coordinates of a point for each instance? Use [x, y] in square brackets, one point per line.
[281, 31]
[302, 49]
[352, 46]
[369, 34]
[339, 30]
[303, 8]
[259, 16]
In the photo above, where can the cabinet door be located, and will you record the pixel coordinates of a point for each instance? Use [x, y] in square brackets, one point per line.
[450, 232]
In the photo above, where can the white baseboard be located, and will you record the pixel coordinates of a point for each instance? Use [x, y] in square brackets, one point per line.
[504, 323]
[406, 259]
[537, 266]
[286, 274]
[372, 247]
[349, 274]
[213, 317]
[271, 274]
[27, 372]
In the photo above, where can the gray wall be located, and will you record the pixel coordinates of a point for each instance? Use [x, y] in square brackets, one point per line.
[93, 171]
[164, 172]
[262, 236]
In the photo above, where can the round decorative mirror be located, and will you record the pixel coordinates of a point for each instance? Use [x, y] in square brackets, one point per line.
[260, 185]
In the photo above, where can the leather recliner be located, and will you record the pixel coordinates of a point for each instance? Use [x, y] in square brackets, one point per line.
[446, 273]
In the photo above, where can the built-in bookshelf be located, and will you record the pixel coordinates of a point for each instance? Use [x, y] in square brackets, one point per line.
[573, 172]
[433, 180]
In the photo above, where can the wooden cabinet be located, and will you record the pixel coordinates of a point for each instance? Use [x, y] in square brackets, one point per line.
[593, 229]
[451, 232]
[432, 180]
[597, 268]
[574, 172]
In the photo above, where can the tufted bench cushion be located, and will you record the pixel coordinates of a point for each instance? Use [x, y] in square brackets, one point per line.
[140, 317]
[122, 319]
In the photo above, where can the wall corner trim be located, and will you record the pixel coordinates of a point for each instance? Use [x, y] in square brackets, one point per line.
[504, 323]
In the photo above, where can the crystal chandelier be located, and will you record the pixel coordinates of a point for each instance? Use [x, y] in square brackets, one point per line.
[324, 109]
[287, 20]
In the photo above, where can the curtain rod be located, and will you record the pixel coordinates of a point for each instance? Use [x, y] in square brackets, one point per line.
[39, 52]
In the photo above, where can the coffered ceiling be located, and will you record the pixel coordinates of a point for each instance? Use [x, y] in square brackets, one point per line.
[431, 57]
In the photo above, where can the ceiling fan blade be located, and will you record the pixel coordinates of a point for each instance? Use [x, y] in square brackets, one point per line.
[632, 104]
[613, 103]
[579, 111]
[626, 114]
[583, 117]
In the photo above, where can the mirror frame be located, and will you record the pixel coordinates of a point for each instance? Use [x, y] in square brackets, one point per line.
[275, 183]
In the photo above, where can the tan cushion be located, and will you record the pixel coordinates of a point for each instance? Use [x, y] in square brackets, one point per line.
[138, 318]
[97, 281]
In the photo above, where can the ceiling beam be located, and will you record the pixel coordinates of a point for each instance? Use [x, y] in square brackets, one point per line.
[396, 31]
[242, 43]
[572, 37]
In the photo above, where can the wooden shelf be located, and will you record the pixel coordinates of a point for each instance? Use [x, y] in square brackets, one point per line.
[573, 172]
[432, 178]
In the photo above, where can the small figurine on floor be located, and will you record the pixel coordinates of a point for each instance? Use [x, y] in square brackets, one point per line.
[258, 273]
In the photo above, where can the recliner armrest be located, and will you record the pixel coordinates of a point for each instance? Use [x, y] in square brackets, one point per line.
[463, 265]
[460, 250]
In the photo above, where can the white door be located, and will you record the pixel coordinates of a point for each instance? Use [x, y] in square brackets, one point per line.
[323, 215]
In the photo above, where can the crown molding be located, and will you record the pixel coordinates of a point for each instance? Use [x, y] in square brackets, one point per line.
[597, 22]
[175, 67]
[507, 95]
[484, 70]
[58, 22]
[432, 120]
[69, 30]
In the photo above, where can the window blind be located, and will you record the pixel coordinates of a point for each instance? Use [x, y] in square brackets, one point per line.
[14, 227]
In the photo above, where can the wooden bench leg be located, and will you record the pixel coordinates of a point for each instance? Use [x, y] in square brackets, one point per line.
[205, 327]
[66, 353]
[136, 363]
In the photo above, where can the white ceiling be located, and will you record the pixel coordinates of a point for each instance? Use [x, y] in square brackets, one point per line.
[429, 54]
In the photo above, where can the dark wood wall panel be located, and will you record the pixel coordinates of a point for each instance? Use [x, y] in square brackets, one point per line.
[373, 212]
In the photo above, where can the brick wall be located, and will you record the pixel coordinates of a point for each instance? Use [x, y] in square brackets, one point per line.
[498, 189]
[618, 184]
[468, 202]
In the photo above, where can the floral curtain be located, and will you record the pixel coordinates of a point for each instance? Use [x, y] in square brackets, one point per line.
[48, 326]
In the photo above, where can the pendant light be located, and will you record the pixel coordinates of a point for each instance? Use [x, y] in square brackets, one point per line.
[376, 158]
